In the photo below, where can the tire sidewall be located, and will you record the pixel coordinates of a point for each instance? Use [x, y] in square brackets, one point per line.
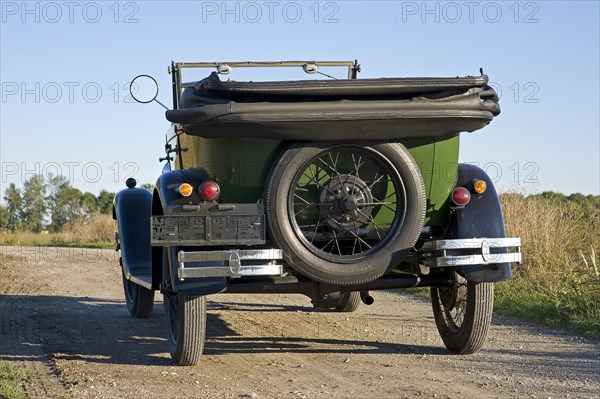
[172, 343]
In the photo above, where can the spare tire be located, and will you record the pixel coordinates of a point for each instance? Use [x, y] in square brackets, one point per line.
[344, 213]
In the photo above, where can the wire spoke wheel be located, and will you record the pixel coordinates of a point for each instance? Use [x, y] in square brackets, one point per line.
[346, 202]
[453, 300]
[463, 313]
[344, 213]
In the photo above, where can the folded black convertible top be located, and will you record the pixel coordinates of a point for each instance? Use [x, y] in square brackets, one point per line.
[348, 109]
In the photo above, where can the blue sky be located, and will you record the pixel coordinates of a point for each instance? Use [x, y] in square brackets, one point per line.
[64, 68]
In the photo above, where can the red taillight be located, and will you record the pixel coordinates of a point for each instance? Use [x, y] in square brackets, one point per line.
[209, 191]
[461, 196]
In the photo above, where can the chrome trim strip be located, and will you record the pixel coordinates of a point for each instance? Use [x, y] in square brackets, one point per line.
[471, 243]
[469, 260]
[225, 271]
[223, 256]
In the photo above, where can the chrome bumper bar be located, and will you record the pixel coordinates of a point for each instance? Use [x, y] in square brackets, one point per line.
[230, 263]
[471, 251]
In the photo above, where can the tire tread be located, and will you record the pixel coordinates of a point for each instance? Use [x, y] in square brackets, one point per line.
[477, 319]
[349, 302]
[192, 331]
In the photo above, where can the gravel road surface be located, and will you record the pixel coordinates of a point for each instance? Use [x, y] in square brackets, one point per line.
[63, 316]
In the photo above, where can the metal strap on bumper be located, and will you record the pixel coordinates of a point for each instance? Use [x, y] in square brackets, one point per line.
[471, 251]
[230, 263]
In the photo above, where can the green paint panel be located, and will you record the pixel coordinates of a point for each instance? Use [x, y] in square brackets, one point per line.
[241, 165]
[443, 180]
[437, 159]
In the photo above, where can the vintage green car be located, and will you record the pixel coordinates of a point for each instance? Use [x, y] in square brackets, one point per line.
[327, 188]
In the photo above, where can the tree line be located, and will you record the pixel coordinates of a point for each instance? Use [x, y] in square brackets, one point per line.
[54, 204]
[51, 204]
[588, 202]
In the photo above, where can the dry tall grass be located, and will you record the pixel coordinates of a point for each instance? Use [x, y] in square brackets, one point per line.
[558, 281]
[97, 231]
[99, 228]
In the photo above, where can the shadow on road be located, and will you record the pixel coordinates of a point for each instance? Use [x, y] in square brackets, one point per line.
[102, 331]
[90, 329]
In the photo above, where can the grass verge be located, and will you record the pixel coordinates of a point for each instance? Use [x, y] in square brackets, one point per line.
[12, 379]
[17, 382]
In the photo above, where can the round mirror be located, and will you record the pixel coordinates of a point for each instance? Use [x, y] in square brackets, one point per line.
[143, 89]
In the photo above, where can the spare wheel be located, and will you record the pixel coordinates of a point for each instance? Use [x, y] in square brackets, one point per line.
[344, 213]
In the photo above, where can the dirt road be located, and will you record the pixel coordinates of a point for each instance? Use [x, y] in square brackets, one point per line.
[63, 315]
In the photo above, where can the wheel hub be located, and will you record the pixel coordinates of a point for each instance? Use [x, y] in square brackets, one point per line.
[346, 203]
[453, 293]
[448, 296]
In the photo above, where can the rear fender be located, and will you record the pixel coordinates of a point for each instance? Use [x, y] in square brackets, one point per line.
[165, 194]
[131, 210]
[481, 217]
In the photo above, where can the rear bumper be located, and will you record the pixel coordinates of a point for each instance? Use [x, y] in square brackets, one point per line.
[229, 263]
[470, 252]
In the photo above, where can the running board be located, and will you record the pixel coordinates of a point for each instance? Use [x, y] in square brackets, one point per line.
[143, 279]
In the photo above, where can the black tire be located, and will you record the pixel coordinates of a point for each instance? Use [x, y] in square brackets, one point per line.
[349, 302]
[463, 313]
[140, 300]
[351, 220]
[185, 319]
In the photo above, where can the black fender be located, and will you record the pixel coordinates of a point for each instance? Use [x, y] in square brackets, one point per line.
[481, 217]
[132, 210]
[165, 194]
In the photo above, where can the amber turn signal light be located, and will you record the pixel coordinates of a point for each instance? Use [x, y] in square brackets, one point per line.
[185, 189]
[479, 186]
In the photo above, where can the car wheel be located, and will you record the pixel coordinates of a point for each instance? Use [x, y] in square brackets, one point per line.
[344, 213]
[463, 313]
[140, 300]
[185, 319]
[349, 302]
